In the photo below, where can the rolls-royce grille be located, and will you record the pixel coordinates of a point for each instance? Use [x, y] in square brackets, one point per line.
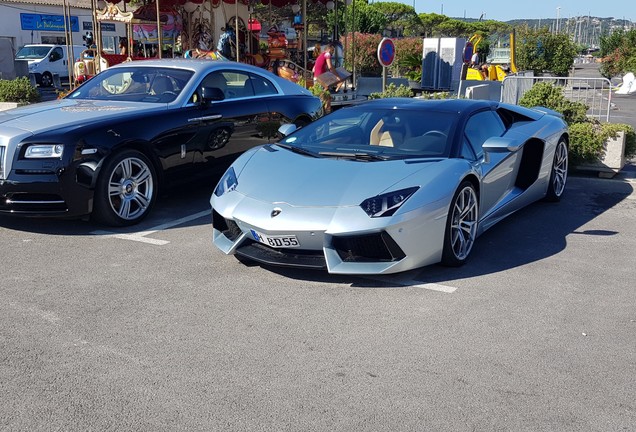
[2, 162]
[368, 248]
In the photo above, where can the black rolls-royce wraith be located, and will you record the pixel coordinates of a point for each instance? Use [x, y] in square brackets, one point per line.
[109, 146]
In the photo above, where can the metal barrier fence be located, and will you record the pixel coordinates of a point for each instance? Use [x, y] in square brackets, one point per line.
[594, 92]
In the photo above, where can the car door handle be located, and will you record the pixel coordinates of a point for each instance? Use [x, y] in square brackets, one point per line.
[212, 117]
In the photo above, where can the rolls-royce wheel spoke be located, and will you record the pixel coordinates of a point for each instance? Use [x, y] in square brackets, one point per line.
[126, 190]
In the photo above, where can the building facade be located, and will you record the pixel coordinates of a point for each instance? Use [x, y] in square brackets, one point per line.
[25, 22]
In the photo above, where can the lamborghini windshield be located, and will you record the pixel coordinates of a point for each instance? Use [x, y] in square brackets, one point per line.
[376, 134]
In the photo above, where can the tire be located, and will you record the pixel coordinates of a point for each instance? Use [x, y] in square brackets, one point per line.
[46, 80]
[461, 226]
[559, 173]
[219, 138]
[126, 189]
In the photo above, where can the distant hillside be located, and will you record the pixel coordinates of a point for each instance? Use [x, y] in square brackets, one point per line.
[584, 30]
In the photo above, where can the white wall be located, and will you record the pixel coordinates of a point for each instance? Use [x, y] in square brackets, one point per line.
[10, 22]
[10, 25]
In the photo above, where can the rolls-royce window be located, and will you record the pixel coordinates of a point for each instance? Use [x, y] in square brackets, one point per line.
[140, 84]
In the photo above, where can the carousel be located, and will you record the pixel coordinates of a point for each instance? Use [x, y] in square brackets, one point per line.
[148, 30]
[175, 28]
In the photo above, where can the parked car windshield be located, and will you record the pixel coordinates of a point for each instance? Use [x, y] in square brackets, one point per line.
[134, 84]
[33, 52]
[376, 134]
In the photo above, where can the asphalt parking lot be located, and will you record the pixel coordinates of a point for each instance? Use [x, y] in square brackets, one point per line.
[150, 328]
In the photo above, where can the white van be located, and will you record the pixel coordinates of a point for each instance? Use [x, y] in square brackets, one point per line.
[48, 59]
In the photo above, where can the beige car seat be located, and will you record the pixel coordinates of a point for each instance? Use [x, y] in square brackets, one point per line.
[385, 135]
[390, 138]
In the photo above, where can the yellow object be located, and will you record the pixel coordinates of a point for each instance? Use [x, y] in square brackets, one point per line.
[492, 72]
[513, 42]
[475, 40]
[500, 74]
[474, 75]
[495, 72]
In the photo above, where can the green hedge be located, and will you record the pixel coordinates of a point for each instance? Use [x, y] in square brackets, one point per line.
[392, 91]
[366, 53]
[587, 136]
[547, 95]
[18, 90]
[587, 140]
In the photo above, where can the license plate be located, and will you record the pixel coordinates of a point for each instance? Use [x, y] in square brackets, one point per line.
[277, 241]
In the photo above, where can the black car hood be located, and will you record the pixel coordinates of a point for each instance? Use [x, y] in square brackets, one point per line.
[65, 112]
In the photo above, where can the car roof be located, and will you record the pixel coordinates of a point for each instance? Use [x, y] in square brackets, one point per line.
[205, 66]
[192, 64]
[451, 105]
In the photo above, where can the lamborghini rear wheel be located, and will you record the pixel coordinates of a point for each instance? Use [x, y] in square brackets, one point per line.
[461, 226]
[559, 174]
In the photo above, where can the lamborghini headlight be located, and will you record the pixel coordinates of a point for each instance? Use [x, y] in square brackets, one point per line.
[44, 151]
[388, 203]
[227, 183]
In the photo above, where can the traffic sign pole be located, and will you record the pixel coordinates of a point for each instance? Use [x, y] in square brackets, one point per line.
[386, 55]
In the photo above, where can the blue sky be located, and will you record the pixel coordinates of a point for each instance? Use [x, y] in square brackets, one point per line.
[513, 9]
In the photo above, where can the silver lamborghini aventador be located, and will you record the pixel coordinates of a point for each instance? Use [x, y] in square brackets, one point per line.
[389, 185]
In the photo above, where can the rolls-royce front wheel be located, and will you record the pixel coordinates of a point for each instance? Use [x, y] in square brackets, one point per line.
[126, 189]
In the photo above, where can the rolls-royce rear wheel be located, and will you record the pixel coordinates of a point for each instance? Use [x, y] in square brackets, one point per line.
[126, 189]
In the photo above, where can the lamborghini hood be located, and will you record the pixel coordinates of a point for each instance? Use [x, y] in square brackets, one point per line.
[278, 175]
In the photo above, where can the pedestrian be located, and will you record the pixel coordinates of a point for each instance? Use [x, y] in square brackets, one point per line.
[224, 45]
[484, 69]
[326, 63]
[123, 46]
[323, 61]
[474, 60]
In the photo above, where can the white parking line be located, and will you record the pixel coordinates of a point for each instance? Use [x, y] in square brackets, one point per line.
[179, 221]
[412, 283]
[435, 287]
[134, 237]
[141, 235]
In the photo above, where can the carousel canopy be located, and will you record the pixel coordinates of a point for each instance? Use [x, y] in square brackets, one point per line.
[148, 12]
[171, 3]
[282, 3]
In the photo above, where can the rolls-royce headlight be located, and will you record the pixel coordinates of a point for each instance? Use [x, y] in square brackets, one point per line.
[388, 203]
[44, 151]
[227, 183]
